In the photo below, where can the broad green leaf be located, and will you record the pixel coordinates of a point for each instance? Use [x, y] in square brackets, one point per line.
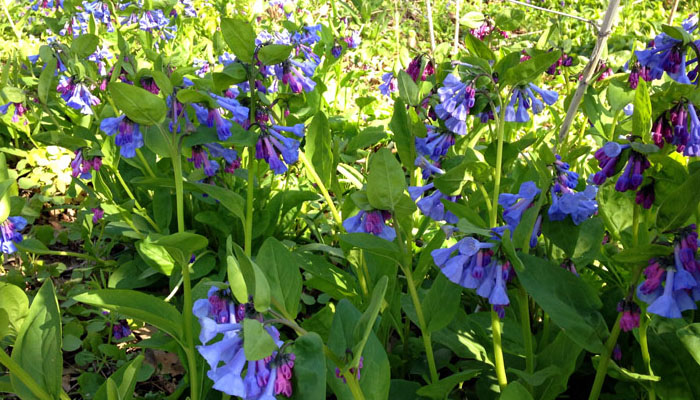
[642, 254]
[680, 204]
[274, 53]
[619, 94]
[561, 354]
[515, 391]
[478, 48]
[404, 140]
[192, 95]
[309, 368]
[4, 324]
[84, 45]
[281, 267]
[386, 181]
[11, 94]
[671, 361]
[690, 337]
[37, 348]
[156, 256]
[441, 303]
[677, 33]
[124, 380]
[5, 188]
[408, 90]
[255, 279]
[452, 181]
[364, 325]
[59, 139]
[472, 19]
[141, 106]
[257, 342]
[14, 302]
[443, 387]
[235, 274]
[510, 19]
[641, 118]
[623, 374]
[163, 82]
[375, 377]
[46, 80]
[240, 37]
[372, 244]
[568, 300]
[137, 305]
[182, 245]
[111, 390]
[318, 147]
[529, 70]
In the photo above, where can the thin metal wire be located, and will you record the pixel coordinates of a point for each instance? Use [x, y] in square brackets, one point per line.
[554, 12]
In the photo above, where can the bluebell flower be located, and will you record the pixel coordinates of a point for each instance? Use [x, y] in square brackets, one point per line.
[210, 117]
[607, 157]
[47, 4]
[100, 11]
[297, 75]
[666, 54]
[10, 233]
[372, 222]
[464, 263]
[632, 176]
[388, 85]
[81, 166]
[415, 72]
[128, 137]
[189, 9]
[99, 57]
[456, 99]
[153, 20]
[336, 50]
[77, 95]
[238, 112]
[692, 146]
[275, 148]
[227, 58]
[353, 40]
[436, 143]
[20, 110]
[429, 168]
[525, 99]
[201, 65]
[566, 202]
[515, 204]
[565, 176]
[431, 205]
[666, 305]
[200, 159]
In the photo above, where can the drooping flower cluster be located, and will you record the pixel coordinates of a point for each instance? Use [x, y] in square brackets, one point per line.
[82, 166]
[456, 99]
[565, 201]
[638, 71]
[563, 61]
[486, 29]
[388, 85]
[263, 379]
[667, 54]
[431, 204]
[200, 158]
[299, 68]
[76, 95]
[417, 71]
[10, 233]
[20, 110]
[129, 137]
[672, 284]
[472, 265]
[372, 222]
[525, 100]
[608, 157]
[679, 126]
[630, 315]
[121, 329]
[97, 214]
[276, 149]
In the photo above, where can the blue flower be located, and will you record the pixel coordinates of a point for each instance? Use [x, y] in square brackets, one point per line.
[525, 99]
[429, 168]
[692, 147]
[466, 267]
[665, 54]
[431, 205]
[99, 57]
[210, 117]
[297, 75]
[129, 136]
[77, 95]
[515, 204]
[372, 222]
[607, 157]
[275, 148]
[666, 305]
[632, 176]
[9, 233]
[456, 99]
[579, 205]
[201, 160]
[436, 143]
[353, 40]
[388, 85]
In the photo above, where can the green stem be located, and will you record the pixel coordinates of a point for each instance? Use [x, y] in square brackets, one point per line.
[187, 284]
[149, 171]
[602, 369]
[611, 135]
[312, 171]
[406, 266]
[523, 304]
[354, 386]
[129, 193]
[19, 372]
[493, 218]
[12, 24]
[248, 245]
[65, 254]
[644, 345]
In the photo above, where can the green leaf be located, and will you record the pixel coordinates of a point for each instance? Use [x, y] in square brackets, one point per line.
[642, 254]
[46, 80]
[192, 95]
[529, 70]
[14, 302]
[677, 369]
[124, 380]
[57, 138]
[137, 305]
[472, 19]
[645, 148]
[111, 389]
[441, 303]
[364, 325]
[619, 94]
[515, 391]
[318, 147]
[309, 368]
[568, 300]
[182, 245]
[477, 48]
[240, 37]
[690, 337]
[641, 118]
[84, 45]
[452, 181]
[235, 274]
[274, 53]
[155, 256]
[372, 244]
[680, 204]
[141, 106]
[386, 181]
[257, 342]
[408, 90]
[163, 82]
[441, 388]
[255, 279]
[37, 348]
[11, 94]
[281, 267]
[509, 19]
[677, 33]
[405, 142]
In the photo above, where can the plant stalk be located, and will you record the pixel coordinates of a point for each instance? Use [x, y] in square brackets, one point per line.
[248, 245]
[19, 372]
[431, 29]
[523, 304]
[644, 346]
[602, 369]
[317, 180]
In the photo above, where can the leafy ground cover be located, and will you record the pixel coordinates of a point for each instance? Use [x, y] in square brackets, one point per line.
[351, 200]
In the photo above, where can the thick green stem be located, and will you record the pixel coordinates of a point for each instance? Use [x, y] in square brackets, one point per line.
[644, 346]
[498, 351]
[317, 180]
[149, 171]
[248, 245]
[187, 284]
[354, 386]
[19, 372]
[524, 306]
[602, 369]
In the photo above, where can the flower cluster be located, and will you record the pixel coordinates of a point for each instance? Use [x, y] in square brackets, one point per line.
[667, 54]
[679, 126]
[121, 329]
[431, 204]
[10, 233]
[672, 285]
[264, 379]
[630, 315]
[128, 137]
[525, 100]
[456, 99]
[565, 201]
[388, 85]
[76, 95]
[82, 166]
[608, 157]
[278, 150]
[200, 158]
[486, 29]
[351, 370]
[372, 222]
[563, 61]
[20, 110]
